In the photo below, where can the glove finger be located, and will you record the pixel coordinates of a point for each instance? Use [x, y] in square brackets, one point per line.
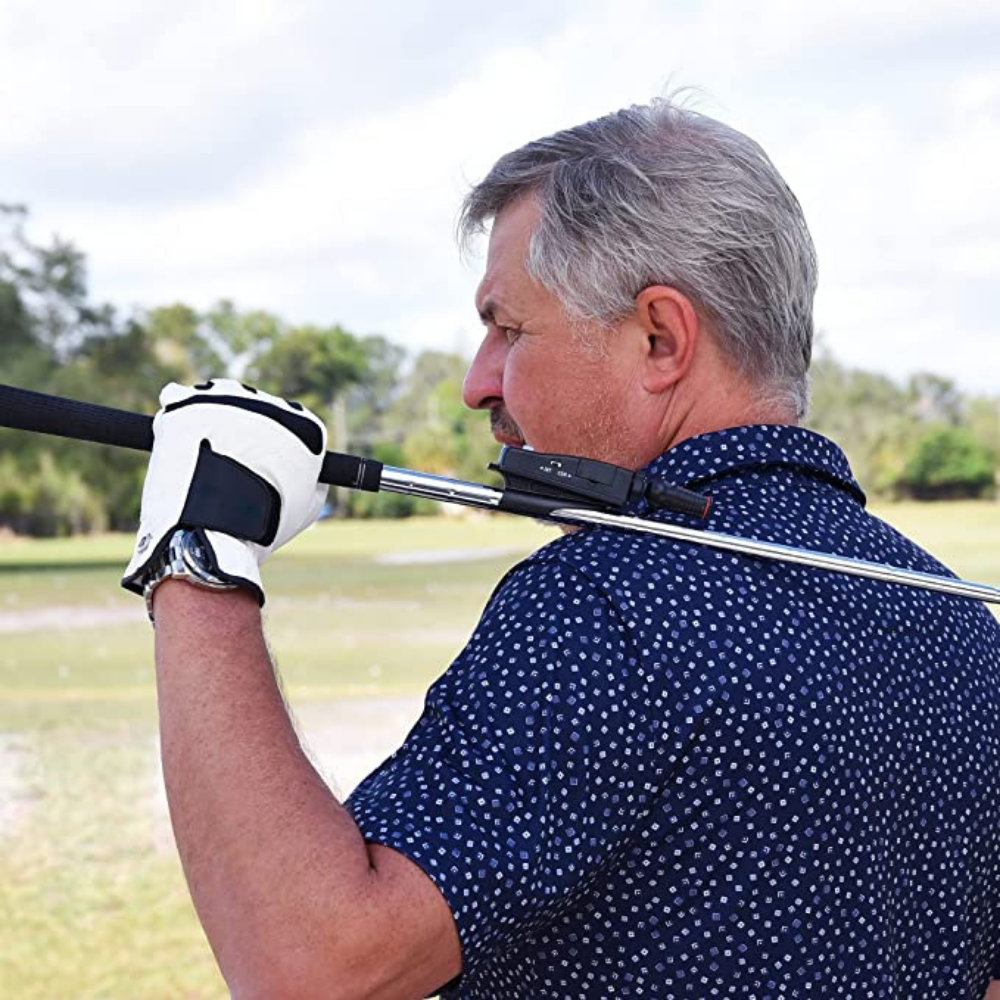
[230, 387]
[227, 387]
[173, 392]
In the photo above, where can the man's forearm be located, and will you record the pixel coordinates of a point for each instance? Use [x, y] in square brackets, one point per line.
[259, 833]
[294, 902]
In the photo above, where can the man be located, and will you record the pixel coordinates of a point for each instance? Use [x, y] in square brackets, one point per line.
[656, 768]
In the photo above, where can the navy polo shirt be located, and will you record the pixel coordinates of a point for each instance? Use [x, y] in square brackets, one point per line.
[659, 769]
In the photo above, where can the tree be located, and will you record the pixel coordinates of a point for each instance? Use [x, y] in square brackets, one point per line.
[17, 328]
[983, 419]
[371, 398]
[53, 338]
[312, 364]
[935, 400]
[867, 414]
[440, 434]
[179, 340]
[239, 338]
[24, 358]
[949, 463]
[49, 307]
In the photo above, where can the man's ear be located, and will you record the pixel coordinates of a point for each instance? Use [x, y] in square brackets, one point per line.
[672, 329]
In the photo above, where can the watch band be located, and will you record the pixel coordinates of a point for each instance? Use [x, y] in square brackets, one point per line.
[183, 559]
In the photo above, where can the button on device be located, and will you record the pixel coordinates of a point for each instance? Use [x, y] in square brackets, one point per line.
[597, 472]
[561, 465]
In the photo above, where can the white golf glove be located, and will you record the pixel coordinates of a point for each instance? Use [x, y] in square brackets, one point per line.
[237, 464]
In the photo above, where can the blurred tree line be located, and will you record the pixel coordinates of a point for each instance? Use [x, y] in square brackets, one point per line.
[53, 338]
[924, 439]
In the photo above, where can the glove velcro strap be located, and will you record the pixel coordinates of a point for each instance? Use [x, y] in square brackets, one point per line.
[228, 497]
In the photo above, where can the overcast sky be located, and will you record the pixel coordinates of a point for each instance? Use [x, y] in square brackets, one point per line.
[308, 156]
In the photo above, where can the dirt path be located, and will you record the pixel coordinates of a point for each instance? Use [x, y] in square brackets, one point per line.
[90, 616]
[70, 616]
[346, 740]
[16, 757]
[426, 557]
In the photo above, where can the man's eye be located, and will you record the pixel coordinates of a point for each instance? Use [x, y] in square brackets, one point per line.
[510, 333]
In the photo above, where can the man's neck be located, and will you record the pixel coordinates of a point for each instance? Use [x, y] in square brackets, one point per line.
[722, 403]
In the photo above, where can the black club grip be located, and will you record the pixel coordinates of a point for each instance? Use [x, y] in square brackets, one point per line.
[25, 410]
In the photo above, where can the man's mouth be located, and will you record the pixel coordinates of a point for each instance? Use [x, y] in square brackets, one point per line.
[504, 429]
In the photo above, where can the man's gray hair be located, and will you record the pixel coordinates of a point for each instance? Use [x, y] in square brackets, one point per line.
[663, 195]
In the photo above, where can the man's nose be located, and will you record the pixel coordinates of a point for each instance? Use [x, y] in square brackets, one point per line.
[483, 385]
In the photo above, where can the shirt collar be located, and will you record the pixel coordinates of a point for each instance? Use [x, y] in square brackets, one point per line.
[699, 460]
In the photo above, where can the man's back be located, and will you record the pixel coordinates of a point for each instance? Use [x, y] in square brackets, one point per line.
[655, 768]
[668, 769]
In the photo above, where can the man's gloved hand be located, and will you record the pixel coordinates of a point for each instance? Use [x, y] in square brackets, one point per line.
[238, 464]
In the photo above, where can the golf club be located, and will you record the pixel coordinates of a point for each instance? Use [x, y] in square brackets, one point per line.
[559, 488]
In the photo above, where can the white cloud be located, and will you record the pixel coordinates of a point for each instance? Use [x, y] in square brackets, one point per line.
[292, 157]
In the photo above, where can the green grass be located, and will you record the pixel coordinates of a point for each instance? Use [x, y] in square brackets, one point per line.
[92, 899]
[964, 535]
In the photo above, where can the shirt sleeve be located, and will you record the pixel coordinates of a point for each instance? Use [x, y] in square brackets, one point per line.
[510, 792]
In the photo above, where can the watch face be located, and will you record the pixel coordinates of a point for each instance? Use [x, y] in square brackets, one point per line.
[195, 547]
[194, 552]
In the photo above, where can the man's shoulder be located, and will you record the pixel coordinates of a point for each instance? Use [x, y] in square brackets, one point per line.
[576, 561]
[600, 557]
[621, 570]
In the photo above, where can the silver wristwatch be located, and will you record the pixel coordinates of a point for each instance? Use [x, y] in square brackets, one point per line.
[184, 558]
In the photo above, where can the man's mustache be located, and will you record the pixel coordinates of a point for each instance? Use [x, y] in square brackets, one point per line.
[503, 425]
